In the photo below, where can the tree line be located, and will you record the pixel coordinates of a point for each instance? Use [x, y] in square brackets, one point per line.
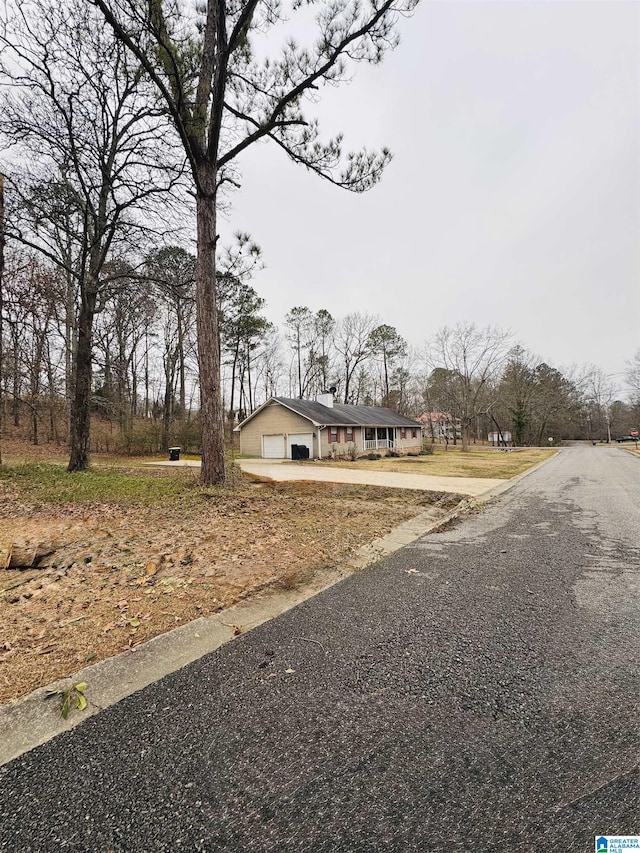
[145, 367]
[118, 112]
[120, 129]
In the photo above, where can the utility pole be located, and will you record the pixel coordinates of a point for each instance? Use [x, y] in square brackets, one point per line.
[1, 297]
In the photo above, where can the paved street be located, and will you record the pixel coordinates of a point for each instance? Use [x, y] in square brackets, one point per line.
[475, 691]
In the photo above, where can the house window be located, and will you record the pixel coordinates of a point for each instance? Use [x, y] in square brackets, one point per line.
[333, 434]
[403, 432]
[349, 434]
[414, 433]
[369, 433]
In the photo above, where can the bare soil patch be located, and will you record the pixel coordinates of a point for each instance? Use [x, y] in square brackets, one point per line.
[131, 565]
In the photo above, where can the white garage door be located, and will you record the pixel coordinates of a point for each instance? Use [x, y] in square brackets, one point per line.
[273, 447]
[305, 438]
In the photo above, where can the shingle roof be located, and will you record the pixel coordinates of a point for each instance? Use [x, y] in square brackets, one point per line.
[343, 415]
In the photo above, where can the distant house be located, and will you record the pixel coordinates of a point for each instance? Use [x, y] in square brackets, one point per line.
[496, 438]
[283, 428]
[441, 425]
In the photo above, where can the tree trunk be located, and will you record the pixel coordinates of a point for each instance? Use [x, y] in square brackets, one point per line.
[169, 396]
[250, 389]
[69, 326]
[16, 379]
[465, 433]
[181, 363]
[386, 376]
[146, 372]
[347, 383]
[53, 427]
[1, 302]
[80, 421]
[134, 386]
[232, 396]
[211, 411]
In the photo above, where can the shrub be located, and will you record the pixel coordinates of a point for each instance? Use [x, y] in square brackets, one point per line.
[373, 456]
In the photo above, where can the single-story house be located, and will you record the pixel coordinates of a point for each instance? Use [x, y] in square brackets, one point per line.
[295, 429]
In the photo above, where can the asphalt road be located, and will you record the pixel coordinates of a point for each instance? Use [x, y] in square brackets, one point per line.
[476, 691]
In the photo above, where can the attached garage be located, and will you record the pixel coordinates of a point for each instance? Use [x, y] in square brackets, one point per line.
[273, 447]
[284, 428]
[302, 439]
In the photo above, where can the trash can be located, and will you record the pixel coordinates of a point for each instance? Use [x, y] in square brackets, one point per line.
[299, 451]
[174, 454]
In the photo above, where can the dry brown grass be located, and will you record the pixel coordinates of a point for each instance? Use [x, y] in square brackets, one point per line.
[487, 462]
[138, 552]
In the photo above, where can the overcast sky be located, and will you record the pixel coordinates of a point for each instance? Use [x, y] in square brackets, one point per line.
[513, 196]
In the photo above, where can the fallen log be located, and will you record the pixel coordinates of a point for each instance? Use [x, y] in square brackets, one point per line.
[24, 556]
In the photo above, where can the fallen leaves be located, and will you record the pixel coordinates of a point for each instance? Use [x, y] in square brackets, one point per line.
[70, 697]
[140, 581]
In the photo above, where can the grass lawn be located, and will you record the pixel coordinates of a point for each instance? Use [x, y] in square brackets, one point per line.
[478, 462]
[136, 551]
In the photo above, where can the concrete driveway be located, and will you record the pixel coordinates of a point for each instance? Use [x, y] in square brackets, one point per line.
[273, 469]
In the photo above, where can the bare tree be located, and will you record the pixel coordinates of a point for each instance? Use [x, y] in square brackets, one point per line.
[516, 394]
[632, 377]
[473, 358]
[79, 110]
[223, 98]
[324, 326]
[1, 303]
[353, 344]
[600, 393]
[122, 322]
[30, 299]
[300, 324]
[270, 366]
[170, 273]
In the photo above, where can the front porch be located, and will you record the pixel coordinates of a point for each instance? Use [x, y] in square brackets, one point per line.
[378, 438]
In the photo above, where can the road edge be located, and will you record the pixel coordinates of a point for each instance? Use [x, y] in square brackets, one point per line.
[30, 721]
